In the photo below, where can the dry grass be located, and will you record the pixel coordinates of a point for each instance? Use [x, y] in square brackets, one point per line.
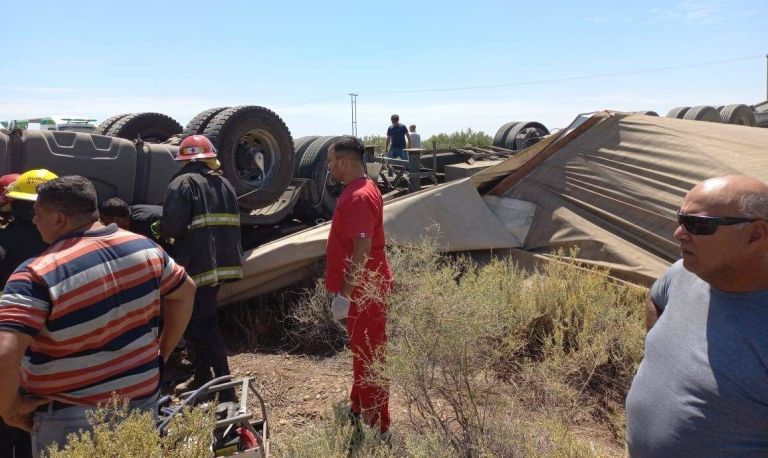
[119, 432]
[491, 362]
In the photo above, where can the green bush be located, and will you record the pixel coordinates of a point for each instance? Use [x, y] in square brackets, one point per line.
[457, 139]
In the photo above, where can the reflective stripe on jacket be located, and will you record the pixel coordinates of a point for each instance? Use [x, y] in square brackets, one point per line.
[201, 213]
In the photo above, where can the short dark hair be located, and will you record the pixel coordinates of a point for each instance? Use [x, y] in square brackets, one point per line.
[395, 117]
[348, 145]
[115, 208]
[71, 195]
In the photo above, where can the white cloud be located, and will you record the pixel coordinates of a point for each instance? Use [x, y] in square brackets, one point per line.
[695, 11]
[37, 89]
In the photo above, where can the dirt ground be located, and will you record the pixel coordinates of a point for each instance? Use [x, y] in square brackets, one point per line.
[301, 389]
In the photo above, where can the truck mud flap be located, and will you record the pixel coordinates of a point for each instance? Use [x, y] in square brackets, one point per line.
[278, 210]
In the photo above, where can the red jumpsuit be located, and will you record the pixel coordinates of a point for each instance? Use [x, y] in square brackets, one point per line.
[359, 214]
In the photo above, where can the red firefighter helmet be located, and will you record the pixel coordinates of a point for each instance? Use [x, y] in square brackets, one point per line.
[5, 182]
[195, 147]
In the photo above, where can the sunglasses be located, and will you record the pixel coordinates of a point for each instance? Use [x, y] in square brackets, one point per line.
[707, 225]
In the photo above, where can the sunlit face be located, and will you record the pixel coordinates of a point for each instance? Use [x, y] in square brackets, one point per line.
[49, 222]
[713, 256]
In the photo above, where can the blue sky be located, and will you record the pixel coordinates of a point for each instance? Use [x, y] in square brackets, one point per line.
[301, 59]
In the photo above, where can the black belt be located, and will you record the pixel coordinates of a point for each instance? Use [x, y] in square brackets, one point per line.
[56, 405]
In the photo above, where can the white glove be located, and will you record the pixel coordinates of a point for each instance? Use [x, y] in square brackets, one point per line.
[339, 307]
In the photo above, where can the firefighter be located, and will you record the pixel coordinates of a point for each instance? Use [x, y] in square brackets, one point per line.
[201, 214]
[5, 202]
[19, 241]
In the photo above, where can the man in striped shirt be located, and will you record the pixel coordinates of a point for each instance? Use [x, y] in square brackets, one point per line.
[76, 322]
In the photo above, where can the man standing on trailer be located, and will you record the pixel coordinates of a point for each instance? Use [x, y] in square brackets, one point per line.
[358, 274]
[201, 214]
[396, 139]
[415, 137]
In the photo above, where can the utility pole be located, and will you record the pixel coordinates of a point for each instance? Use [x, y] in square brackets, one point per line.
[353, 104]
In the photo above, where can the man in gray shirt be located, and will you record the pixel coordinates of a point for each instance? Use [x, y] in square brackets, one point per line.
[702, 387]
[415, 137]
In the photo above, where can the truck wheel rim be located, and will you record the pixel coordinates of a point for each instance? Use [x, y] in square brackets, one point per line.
[257, 157]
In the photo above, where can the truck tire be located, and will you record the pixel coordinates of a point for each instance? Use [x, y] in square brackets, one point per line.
[151, 127]
[299, 147]
[647, 113]
[501, 134]
[197, 125]
[738, 114]
[244, 133]
[524, 134]
[105, 125]
[678, 112]
[314, 164]
[703, 113]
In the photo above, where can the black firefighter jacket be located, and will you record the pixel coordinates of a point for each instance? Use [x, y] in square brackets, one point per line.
[19, 241]
[201, 213]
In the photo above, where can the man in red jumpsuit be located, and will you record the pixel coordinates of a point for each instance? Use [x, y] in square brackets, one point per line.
[358, 274]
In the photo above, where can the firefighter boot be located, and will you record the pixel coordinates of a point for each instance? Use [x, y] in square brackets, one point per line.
[195, 382]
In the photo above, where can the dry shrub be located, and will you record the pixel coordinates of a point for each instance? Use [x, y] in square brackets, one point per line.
[120, 432]
[590, 333]
[332, 438]
[467, 342]
[311, 327]
[508, 437]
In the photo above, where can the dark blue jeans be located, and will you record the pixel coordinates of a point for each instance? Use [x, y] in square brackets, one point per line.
[397, 153]
[204, 334]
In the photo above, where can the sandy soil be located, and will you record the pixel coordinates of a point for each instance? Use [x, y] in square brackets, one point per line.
[302, 389]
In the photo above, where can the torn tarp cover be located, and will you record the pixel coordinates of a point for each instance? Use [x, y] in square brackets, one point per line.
[609, 187]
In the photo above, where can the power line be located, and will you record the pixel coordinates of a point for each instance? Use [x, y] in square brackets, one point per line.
[544, 81]
[315, 100]
[571, 78]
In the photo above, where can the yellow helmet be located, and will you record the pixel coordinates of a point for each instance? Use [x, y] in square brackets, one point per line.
[25, 187]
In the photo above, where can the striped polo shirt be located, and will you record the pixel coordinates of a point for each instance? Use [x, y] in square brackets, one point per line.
[90, 303]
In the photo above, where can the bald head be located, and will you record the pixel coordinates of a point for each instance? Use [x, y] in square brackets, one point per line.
[732, 195]
[734, 257]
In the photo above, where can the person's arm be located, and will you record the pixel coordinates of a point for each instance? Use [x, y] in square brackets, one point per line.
[408, 134]
[24, 309]
[652, 312]
[15, 410]
[177, 310]
[177, 210]
[361, 248]
[12, 348]
[386, 144]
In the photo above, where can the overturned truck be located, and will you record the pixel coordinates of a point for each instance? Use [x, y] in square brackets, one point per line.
[131, 156]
